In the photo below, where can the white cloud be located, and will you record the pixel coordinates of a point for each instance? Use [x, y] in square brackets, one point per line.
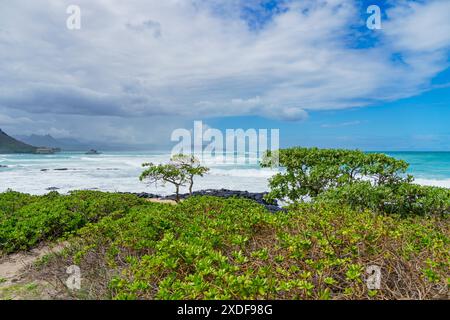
[181, 58]
[7, 120]
[55, 132]
[419, 27]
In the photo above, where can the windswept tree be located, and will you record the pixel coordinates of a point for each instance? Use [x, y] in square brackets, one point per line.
[164, 173]
[180, 171]
[309, 172]
[191, 166]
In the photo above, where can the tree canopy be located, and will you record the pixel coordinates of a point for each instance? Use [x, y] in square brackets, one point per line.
[308, 172]
[180, 171]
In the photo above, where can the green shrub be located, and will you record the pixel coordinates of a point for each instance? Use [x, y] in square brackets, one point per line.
[11, 201]
[404, 199]
[210, 248]
[309, 172]
[34, 219]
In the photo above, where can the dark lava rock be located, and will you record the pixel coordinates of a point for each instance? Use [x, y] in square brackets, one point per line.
[221, 193]
[2, 166]
[145, 195]
[44, 169]
[52, 189]
[225, 193]
[61, 169]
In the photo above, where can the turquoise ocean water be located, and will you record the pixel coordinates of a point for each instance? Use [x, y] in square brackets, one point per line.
[119, 171]
[426, 165]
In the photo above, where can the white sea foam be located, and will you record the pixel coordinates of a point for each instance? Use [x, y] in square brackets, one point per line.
[247, 173]
[445, 183]
[120, 172]
[113, 172]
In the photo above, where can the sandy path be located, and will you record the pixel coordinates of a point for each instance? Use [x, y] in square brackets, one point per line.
[13, 266]
[156, 200]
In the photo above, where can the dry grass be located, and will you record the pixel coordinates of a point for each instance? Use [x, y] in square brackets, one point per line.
[237, 250]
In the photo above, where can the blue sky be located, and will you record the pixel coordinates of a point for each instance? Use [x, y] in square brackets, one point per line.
[420, 122]
[134, 73]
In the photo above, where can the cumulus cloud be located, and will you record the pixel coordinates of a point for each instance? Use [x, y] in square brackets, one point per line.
[8, 120]
[148, 25]
[194, 58]
[419, 27]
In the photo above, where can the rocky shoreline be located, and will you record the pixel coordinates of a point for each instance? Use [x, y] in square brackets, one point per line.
[222, 193]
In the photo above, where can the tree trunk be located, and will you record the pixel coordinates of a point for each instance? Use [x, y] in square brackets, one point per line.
[177, 194]
[191, 185]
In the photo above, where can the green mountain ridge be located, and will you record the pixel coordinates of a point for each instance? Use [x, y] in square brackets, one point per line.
[11, 145]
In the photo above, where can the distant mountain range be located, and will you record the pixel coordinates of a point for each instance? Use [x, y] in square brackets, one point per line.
[65, 144]
[10, 145]
[70, 144]
[31, 143]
